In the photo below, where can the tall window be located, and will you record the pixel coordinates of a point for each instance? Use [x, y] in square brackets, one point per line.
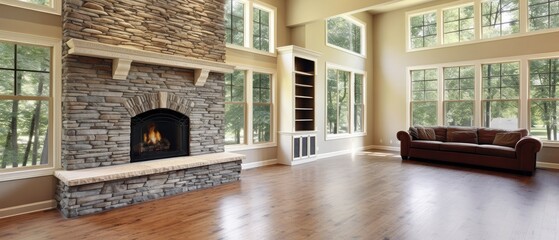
[458, 24]
[499, 18]
[423, 30]
[345, 102]
[262, 107]
[25, 96]
[424, 97]
[543, 14]
[261, 29]
[500, 95]
[459, 95]
[544, 98]
[235, 108]
[235, 22]
[359, 104]
[345, 33]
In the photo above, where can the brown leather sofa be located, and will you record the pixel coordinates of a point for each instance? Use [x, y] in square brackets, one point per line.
[449, 148]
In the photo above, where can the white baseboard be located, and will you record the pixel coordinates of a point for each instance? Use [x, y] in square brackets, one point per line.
[547, 165]
[27, 208]
[245, 166]
[349, 151]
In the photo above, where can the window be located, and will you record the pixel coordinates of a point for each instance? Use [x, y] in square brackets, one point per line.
[262, 107]
[345, 102]
[48, 6]
[424, 97]
[235, 108]
[500, 94]
[544, 98]
[458, 24]
[345, 33]
[25, 102]
[499, 18]
[249, 25]
[459, 95]
[543, 14]
[359, 104]
[249, 108]
[234, 22]
[423, 30]
[261, 29]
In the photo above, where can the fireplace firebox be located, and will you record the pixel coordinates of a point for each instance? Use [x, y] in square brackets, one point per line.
[159, 133]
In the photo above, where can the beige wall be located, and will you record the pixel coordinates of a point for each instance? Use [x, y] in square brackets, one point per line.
[391, 60]
[32, 190]
[313, 36]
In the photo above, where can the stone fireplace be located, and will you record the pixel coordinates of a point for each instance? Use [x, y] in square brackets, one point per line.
[142, 80]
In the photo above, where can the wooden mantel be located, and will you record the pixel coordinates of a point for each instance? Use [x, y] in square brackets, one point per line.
[124, 56]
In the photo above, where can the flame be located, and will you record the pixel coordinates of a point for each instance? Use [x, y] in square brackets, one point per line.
[152, 136]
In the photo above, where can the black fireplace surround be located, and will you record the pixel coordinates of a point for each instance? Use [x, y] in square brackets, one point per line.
[159, 133]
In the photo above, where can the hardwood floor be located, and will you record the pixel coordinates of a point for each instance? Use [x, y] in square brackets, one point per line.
[370, 195]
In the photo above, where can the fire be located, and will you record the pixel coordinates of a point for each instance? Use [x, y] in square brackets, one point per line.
[152, 136]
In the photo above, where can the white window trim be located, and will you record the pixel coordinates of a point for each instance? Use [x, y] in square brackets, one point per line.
[357, 22]
[54, 8]
[248, 143]
[476, 35]
[351, 126]
[523, 21]
[523, 107]
[55, 121]
[248, 31]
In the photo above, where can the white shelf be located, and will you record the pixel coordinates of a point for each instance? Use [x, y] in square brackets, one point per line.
[304, 85]
[304, 120]
[307, 97]
[304, 73]
[304, 109]
[124, 56]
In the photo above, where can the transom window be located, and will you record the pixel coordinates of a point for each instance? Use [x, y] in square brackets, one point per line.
[249, 25]
[25, 97]
[423, 30]
[345, 33]
[499, 18]
[458, 24]
[345, 102]
[544, 98]
[543, 14]
[424, 97]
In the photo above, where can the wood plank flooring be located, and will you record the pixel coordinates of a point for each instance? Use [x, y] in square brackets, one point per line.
[369, 195]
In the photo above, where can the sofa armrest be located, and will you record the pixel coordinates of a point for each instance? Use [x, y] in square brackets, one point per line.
[405, 143]
[526, 151]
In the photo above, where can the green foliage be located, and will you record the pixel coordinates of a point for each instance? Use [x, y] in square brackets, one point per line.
[261, 29]
[358, 108]
[234, 22]
[38, 2]
[423, 30]
[499, 18]
[543, 14]
[544, 81]
[344, 33]
[338, 99]
[262, 109]
[424, 113]
[234, 107]
[458, 24]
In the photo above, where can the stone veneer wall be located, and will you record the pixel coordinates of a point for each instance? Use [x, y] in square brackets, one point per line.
[96, 197]
[96, 108]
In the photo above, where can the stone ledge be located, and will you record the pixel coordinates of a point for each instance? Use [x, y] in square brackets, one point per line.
[108, 173]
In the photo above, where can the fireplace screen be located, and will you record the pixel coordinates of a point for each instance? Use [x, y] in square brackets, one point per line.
[159, 133]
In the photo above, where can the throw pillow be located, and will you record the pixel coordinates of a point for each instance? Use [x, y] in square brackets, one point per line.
[463, 137]
[426, 133]
[508, 139]
[413, 132]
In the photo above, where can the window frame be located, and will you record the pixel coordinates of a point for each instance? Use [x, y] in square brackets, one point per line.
[249, 106]
[55, 113]
[54, 8]
[524, 29]
[523, 99]
[351, 126]
[437, 27]
[247, 46]
[459, 31]
[460, 80]
[530, 99]
[363, 31]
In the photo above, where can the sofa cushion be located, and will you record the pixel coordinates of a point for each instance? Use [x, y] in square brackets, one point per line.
[426, 133]
[494, 150]
[458, 147]
[413, 133]
[487, 135]
[440, 133]
[425, 144]
[463, 137]
[451, 130]
[507, 139]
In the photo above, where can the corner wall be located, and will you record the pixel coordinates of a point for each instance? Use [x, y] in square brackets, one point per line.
[391, 60]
